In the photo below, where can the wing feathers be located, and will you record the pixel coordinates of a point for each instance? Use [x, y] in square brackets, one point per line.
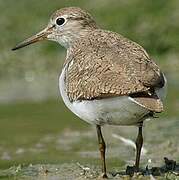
[151, 103]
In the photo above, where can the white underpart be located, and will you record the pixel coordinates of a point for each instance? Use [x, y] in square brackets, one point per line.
[162, 92]
[122, 110]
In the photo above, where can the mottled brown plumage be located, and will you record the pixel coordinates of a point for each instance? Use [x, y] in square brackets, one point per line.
[104, 64]
[77, 14]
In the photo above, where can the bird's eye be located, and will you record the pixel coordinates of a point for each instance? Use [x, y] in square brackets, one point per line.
[60, 21]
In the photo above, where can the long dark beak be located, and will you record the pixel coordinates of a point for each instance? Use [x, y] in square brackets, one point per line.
[42, 35]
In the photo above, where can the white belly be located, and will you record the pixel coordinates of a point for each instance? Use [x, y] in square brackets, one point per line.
[120, 110]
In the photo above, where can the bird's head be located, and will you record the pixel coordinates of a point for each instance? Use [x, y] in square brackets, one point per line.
[65, 26]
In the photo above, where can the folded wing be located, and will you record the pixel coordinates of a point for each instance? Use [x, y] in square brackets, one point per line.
[113, 66]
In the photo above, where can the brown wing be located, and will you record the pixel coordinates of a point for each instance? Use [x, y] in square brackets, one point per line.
[106, 64]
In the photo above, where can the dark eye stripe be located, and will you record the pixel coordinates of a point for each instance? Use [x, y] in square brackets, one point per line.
[60, 21]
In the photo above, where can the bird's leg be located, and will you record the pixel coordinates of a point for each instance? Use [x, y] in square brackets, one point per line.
[102, 149]
[139, 143]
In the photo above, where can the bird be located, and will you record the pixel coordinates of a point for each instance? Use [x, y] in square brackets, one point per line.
[106, 79]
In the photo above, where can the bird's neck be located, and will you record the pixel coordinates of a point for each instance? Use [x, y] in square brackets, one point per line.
[70, 37]
[73, 42]
[69, 56]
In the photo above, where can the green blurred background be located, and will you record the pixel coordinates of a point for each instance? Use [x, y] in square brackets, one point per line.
[35, 126]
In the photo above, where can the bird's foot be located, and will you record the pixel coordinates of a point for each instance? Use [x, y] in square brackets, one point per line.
[104, 176]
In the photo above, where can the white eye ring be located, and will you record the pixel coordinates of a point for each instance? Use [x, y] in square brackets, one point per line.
[60, 21]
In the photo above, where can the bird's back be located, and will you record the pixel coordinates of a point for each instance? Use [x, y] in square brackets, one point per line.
[105, 64]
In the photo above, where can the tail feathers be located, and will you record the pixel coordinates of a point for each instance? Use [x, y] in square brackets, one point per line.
[151, 103]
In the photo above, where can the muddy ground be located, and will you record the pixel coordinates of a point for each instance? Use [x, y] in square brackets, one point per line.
[77, 171]
[84, 163]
